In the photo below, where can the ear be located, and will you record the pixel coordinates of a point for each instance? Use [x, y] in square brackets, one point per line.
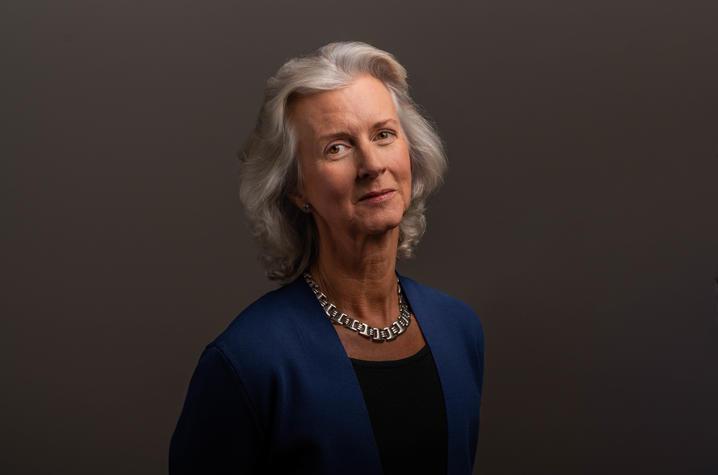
[298, 199]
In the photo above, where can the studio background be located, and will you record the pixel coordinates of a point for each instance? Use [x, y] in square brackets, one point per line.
[578, 217]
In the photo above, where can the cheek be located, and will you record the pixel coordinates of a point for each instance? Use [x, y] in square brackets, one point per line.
[329, 185]
[406, 169]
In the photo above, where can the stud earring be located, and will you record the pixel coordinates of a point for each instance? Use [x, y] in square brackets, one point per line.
[307, 206]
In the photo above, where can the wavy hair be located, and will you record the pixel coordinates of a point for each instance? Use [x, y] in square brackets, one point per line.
[269, 171]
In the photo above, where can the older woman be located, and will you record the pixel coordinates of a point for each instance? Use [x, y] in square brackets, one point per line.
[348, 367]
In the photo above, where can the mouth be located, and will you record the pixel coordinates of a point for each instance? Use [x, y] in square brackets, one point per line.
[375, 194]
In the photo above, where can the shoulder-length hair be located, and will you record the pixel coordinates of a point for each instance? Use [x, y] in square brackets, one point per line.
[269, 171]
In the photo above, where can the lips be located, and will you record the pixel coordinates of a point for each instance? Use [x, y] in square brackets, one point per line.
[372, 194]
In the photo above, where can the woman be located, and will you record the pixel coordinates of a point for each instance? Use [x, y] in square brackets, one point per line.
[349, 367]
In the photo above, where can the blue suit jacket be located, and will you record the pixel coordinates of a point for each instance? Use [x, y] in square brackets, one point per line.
[277, 393]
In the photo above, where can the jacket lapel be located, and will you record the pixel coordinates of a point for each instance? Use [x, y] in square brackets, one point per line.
[428, 311]
[346, 429]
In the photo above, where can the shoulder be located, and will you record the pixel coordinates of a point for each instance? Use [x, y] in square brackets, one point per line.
[460, 315]
[267, 312]
[439, 297]
[264, 326]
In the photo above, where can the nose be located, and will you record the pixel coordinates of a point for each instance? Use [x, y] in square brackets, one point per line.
[370, 162]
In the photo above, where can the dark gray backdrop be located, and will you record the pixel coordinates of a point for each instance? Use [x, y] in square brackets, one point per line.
[578, 217]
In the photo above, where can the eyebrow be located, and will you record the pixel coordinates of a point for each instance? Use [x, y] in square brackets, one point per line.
[342, 133]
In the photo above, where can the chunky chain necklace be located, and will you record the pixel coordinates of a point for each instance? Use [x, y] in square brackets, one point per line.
[375, 334]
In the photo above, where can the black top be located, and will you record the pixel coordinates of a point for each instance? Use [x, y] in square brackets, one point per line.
[406, 408]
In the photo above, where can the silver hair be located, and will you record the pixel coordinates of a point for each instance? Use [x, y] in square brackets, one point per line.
[269, 171]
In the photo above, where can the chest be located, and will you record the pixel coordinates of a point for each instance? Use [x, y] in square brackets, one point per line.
[359, 347]
[321, 414]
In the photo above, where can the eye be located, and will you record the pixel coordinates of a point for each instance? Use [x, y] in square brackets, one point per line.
[386, 135]
[334, 149]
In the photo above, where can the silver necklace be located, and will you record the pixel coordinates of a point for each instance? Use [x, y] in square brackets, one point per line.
[375, 334]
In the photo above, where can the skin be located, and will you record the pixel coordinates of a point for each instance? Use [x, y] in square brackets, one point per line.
[350, 142]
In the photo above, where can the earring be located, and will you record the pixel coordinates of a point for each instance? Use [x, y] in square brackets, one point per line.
[307, 206]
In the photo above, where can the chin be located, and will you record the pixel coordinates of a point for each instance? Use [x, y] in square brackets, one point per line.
[382, 221]
[382, 227]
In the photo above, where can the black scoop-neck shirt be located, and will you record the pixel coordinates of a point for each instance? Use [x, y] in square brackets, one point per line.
[406, 408]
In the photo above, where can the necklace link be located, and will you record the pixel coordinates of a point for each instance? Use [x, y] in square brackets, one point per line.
[375, 334]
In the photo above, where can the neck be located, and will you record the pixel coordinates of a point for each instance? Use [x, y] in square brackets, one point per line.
[360, 277]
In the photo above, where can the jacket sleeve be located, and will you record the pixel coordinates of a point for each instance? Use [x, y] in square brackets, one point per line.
[217, 431]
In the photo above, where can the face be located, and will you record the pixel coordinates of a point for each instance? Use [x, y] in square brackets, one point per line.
[354, 159]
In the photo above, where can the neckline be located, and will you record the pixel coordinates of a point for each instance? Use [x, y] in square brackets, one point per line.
[392, 363]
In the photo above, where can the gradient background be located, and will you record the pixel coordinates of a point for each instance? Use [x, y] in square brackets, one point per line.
[578, 217]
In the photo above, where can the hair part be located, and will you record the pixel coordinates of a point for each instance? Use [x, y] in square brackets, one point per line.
[269, 171]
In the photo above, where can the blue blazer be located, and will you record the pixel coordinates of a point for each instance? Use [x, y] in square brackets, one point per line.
[276, 392]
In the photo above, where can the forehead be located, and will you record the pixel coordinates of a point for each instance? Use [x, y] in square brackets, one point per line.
[361, 104]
